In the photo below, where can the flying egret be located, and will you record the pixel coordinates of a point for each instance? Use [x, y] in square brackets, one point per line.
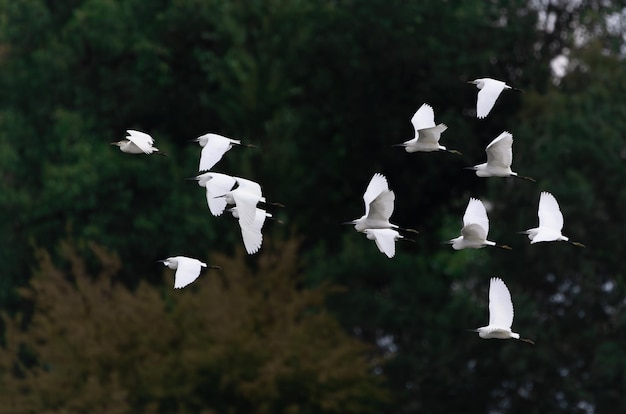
[379, 202]
[216, 185]
[489, 91]
[251, 233]
[475, 228]
[187, 269]
[245, 197]
[550, 222]
[499, 158]
[427, 134]
[137, 142]
[385, 240]
[500, 314]
[214, 147]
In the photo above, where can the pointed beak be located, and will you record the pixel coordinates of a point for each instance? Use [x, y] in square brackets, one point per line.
[348, 222]
[192, 178]
[194, 140]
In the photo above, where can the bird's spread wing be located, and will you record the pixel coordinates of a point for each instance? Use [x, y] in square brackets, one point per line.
[500, 305]
[377, 185]
[423, 118]
[475, 213]
[188, 270]
[382, 206]
[217, 186]
[246, 205]
[385, 240]
[431, 135]
[249, 186]
[474, 232]
[141, 140]
[550, 215]
[251, 233]
[213, 151]
[500, 151]
[487, 96]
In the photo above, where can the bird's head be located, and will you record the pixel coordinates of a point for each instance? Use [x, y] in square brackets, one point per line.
[166, 262]
[478, 82]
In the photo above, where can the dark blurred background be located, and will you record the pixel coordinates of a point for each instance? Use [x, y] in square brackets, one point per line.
[319, 321]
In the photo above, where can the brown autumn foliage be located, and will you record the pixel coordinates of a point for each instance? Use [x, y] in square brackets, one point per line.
[235, 341]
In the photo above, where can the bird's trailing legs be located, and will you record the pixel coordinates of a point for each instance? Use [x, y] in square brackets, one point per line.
[575, 243]
[451, 151]
[528, 341]
[525, 178]
[503, 246]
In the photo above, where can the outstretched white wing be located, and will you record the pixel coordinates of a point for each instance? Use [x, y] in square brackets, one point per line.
[550, 215]
[188, 270]
[431, 135]
[500, 305]
[500, 151]
[377, 185]
[474, 232]
[385, 240]
[218, 185]
[142, 140]
[214, 150]
[247, 195]
[382, 206]
[475, 213]
[251, 233]
[487, 96]
[423, 118]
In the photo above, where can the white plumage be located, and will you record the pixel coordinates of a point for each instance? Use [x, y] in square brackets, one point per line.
[379, 204]
[385, 240]
[500, 313]
[137, 142]
[216, 185]
[489, 90]
[187, 269]
[499, 159]
[427, 134]
[475, 228]
[214, 147]
[251, 233]
[550, 222]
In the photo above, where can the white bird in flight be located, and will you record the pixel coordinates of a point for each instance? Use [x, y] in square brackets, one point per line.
[379, 204]
[475, 228]
[550, 222]
[245, 197]
[251, 233]
[214, 147]
[216, 185]
[500, 314]
[427, 134]
[385, 240]
[499, 159]
[489, 91]
[137, 142]
[187, 269]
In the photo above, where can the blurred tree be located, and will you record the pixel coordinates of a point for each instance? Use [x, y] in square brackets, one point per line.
[241, 341]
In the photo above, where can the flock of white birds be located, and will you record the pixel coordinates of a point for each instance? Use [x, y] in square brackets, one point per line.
[245, 196]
